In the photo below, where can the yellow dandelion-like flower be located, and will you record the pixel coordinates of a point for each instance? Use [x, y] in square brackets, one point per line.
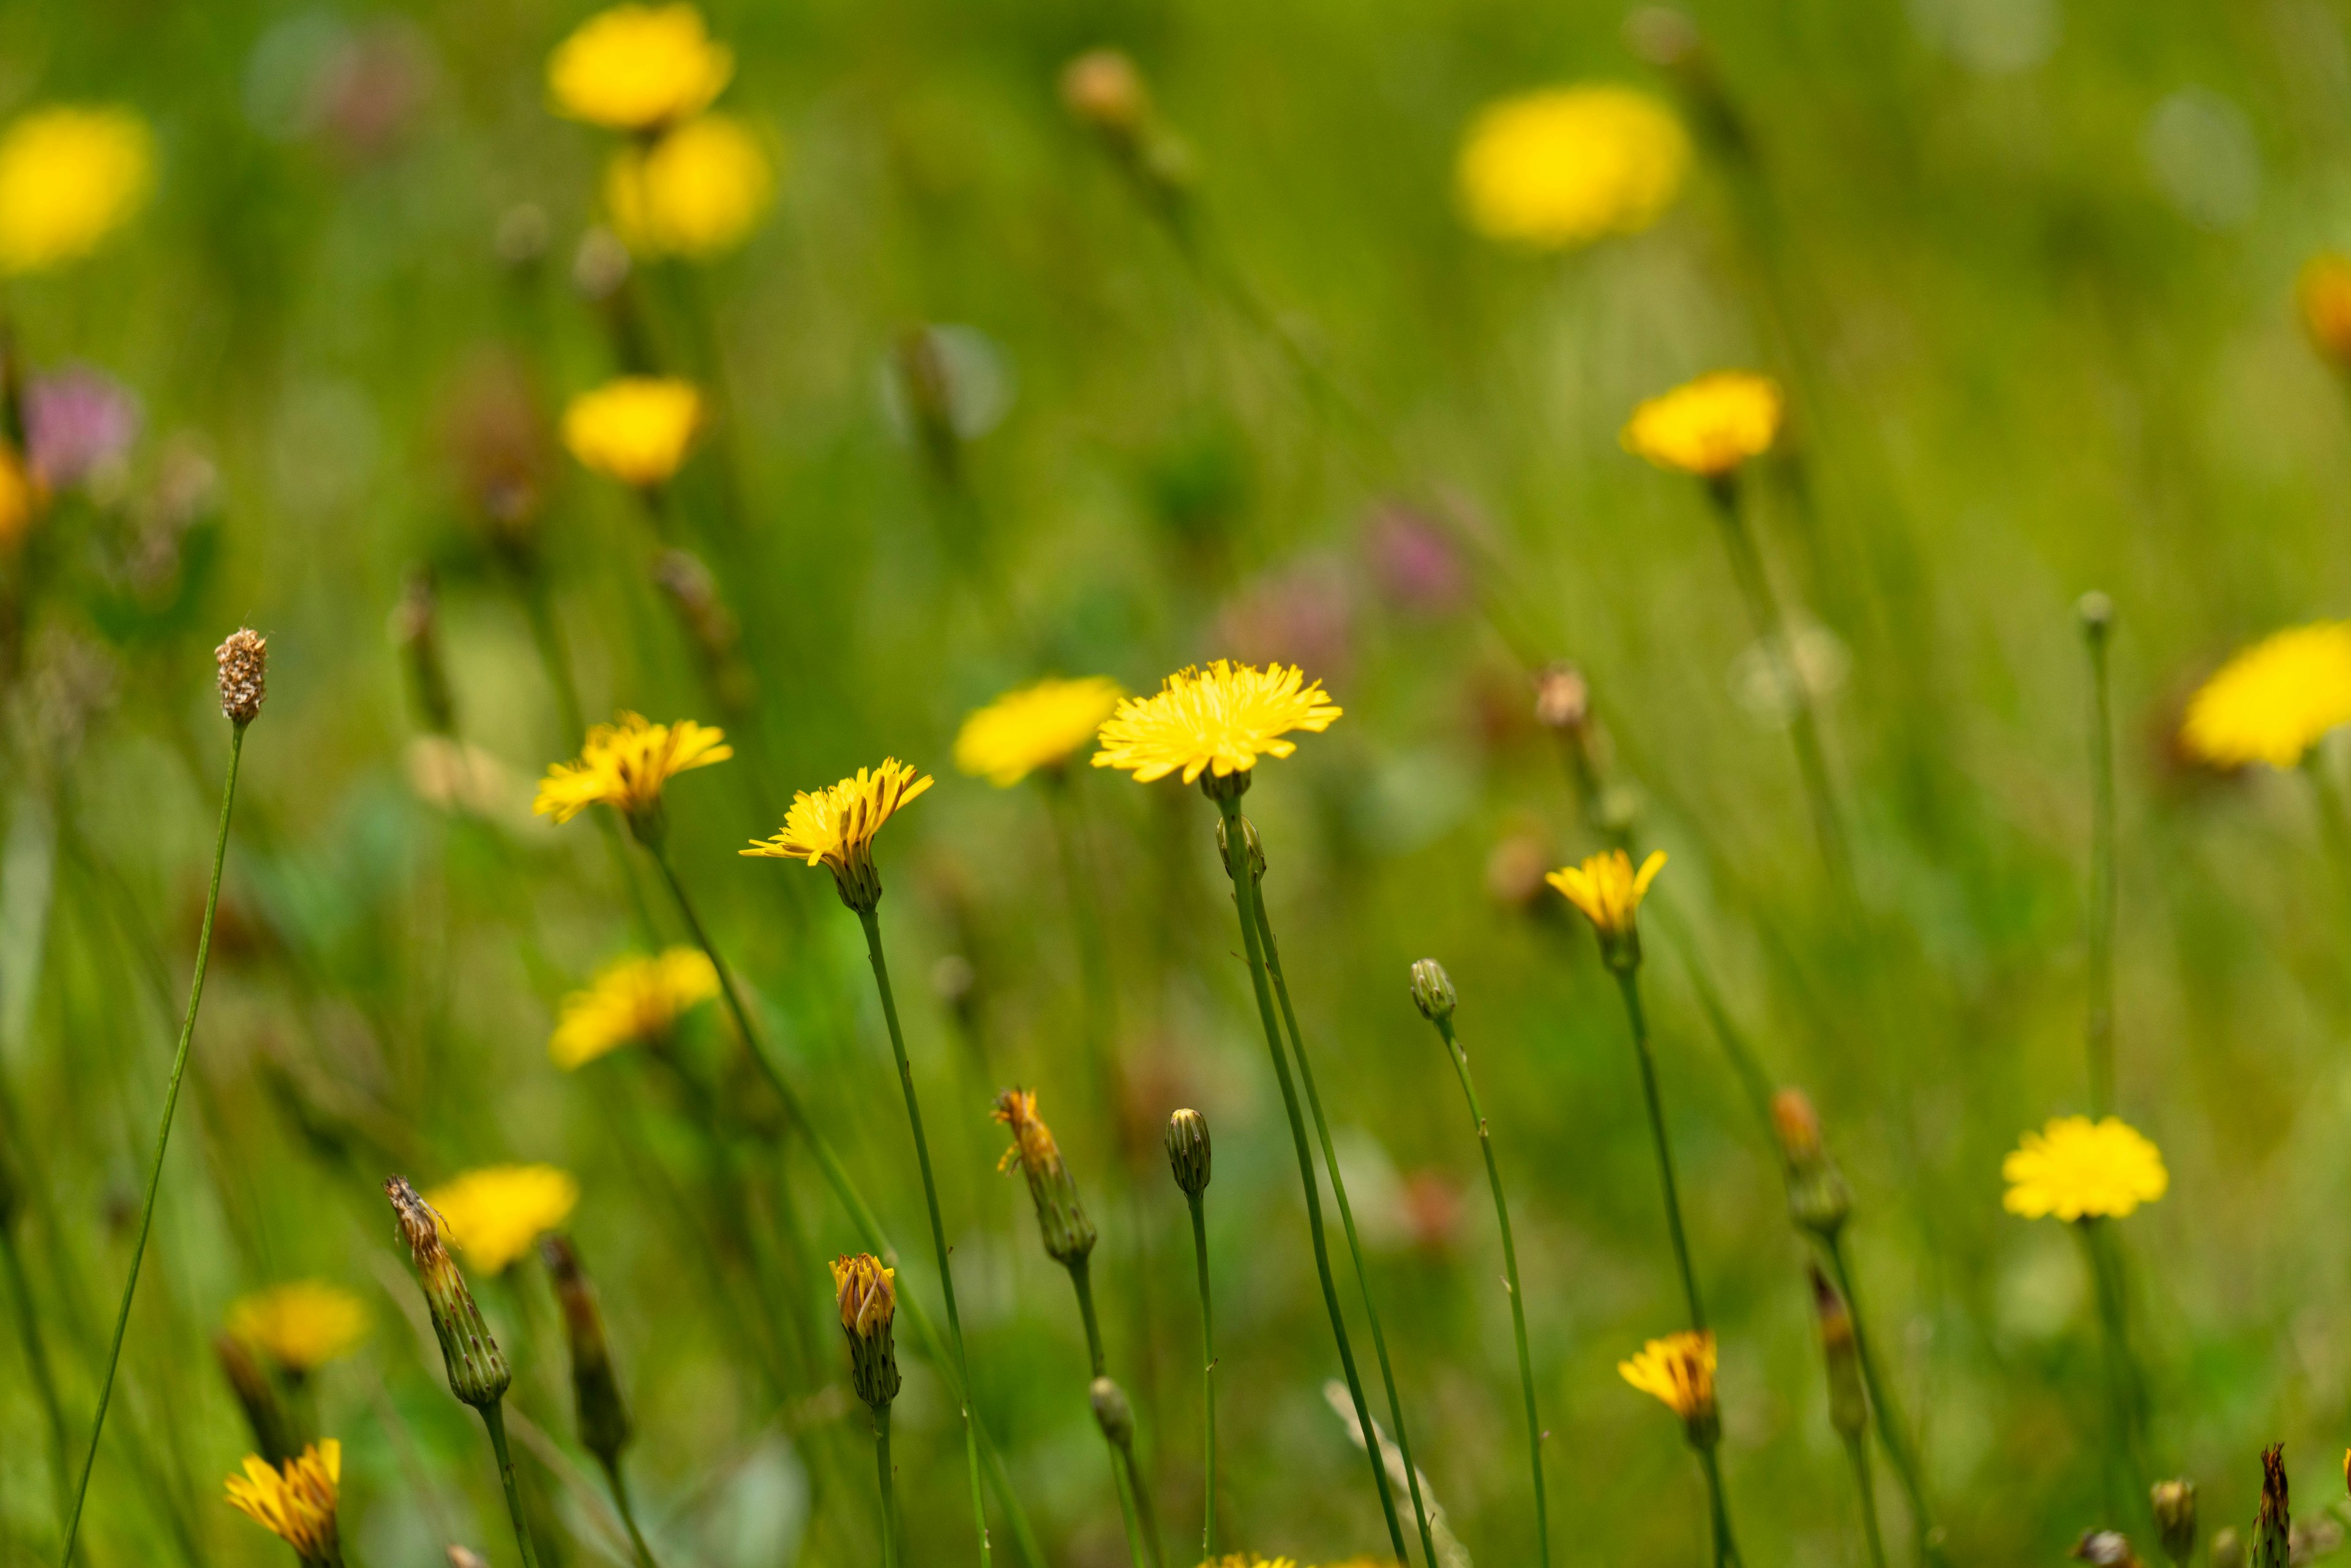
[493, 1214]
[68, 178]
[1037, 727]
[639, 68]
[1218, 721]
[631, 1001]
[866, 1292]
[2076, 1168]
[1566, 166]
[1679, 1370]
[2322, 294]
[1708, 426]
[302, 1324]
[2273, 702]
[625, 765]
[635, 429]
[295, 1502]
[698, 193]
[1607, 889]
[835, 826]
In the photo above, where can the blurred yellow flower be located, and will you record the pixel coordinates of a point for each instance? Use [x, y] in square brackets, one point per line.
[22, 498]
[1251, 1560]
[639, 68]
[632, 1000]
[2323, 292]
[1607, 889]
[625, 765]
[1037, 727]
[2074, 1168]
[493, 1214]
[68, 178]
[1566, 166]
[2274, 701]
[835, 826]
[1222, 718]
[302, 1324]
[634, 429]
[1708, 426]
[698, 192]
[296, 1503]
[1678, 1369]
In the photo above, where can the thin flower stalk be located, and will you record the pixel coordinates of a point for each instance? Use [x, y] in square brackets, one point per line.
[1628, 985]
[2097, 615]
[1190, 1157]
[2125, 1453]
[36, 1355]
[1142, 1548]
[1885, 1416]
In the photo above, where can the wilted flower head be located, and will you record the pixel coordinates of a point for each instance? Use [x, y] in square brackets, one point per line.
[1069, 1234]
[638, 67]
[632, 1000]
[296, 1502]
[301, 1325]
[479, 1374]
[78, 423]
[2276, 700]
[636, 429]
[68, 178]
[1039, 726]
[2273, 1524]
[242, 662]
[696, 193]
[1679, 1370]
[2323, 293]
[625, 765]
[835, 826]
[1216, 721]
[493, 1214]
[1708, 426]
[2075, 1168]
[1609, 892]
[1566, 166]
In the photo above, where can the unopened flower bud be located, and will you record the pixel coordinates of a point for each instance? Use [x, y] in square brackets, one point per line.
[273, 1430]
[2105, 1549]
[1112, 1411]
[1818, 1199]
[1432, 990]
[2324, 294]
[1103, 91]
[478, 1375]
[1249, 841]
[1563, 698]
[244, 665]
[1188, 1152]
[1060, 1217]
[2174, 1518]
[867, 1296]
[2273, 1526]
[2095, 610]
[1848, 1398]
[596, 1393]
[416, 634]
[2227, 1548]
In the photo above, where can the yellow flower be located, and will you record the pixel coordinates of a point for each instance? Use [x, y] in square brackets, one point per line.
[1218, 721]
[698, 192]
[1566, 166]
[638, 67]
[631, 1000]
[625, 765]
[2324, 294]
[1607, 889]
[1708, 426]
[1036, 726]
[23, 497]
[635, 429]
[2272, 701]
[301, 1325]
[296, 1503]
[835, 826]
[1679, 1370]
[2075, 1168]
[1251, 1560]
[68, 178]
[866, 1293]
[493, 1214]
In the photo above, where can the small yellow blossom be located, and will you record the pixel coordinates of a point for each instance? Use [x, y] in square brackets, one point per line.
[301, 1325]
[866, 1293]
[635, 429]
[2273, 702]
[1218, 721]
[632, 1000]
[1708, 426]
[2076, 1168]
[68, 178]
[2323, 293]
[1037, 727]
[297, 1503]
[698, 193]
[625, 765]
[1607, 889]
[835, 826]
[493, 1214]
[1679, 1370]
[639, 68]
[23, 498]
[1566, 166]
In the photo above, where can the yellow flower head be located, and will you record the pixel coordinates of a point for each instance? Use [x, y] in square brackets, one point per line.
[68, 178]
[1708, 426]
[835, 826]
[1036, 726]
[2273, 702]
[625, 765]
[493, 1214]
[2076, 1168]
[2323, 292]
[635, 429]
[698, 193]
[301, 1325]
[1216, 721]
[296, 1502]
[866, 1293]
[23, 498]
[1566, 166]
[1609, 892]
[1679, 1370]
[638, 67]
[631, 1000]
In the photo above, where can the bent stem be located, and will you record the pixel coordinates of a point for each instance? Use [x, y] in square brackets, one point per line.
[163, 1141]
[628, 1512]
[1856, 1448]
[494, 1416]
[1628, 982]
[1892, 1436]
[1208, 1379]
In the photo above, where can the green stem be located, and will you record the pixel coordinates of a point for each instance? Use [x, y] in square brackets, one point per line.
[1081, 1270]
[494, 1416]
[1236, 865]
[1726, 1549]
[2124, 1460]
[1095, 993]
[163, 1141]
[1892, 1435]
[1510, 1282]
[1857, 1447]
[36, 1359]
[2098, 1027]
[893, 1547]
[1124, 1478]
[1208, 1379]
[1628, 982]
[628, 1511]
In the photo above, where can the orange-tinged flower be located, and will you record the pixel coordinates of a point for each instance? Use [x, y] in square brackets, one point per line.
[1216, 721]
[1708, 426]
[835, 826]
[866, 1293]
[625, 765]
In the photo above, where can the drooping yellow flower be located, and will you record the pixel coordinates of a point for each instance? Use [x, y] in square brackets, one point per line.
[632, 1000]
[1218, 721]
[1679, 1370]
[2076, 1168]
[1608, 890]
[866, 1292]
[493, 1214]
[698, 192]
[635, 429]
[835, 826]
[2323, 294]
[1566, 166]
[625, 765]
[68, 178]
[302, 1324]
[297, 1503]
[639, 68]
[1708, 426]
[2274, 701]
[1037, 727]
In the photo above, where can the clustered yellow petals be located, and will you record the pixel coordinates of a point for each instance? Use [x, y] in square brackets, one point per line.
[1607, 889]
[302, 1324]
[866, 1292]
[639, 68]
[1678, 1369]
[296, 1502]
[2323, 292]
[697, 192]
[1039, 726]
[625, 765]
[632, 1000]
[2075, 1168]
[1708, 426]
[2273, 702]
[1567, 166]
[493, 1214]
[637, 430]
[1033, 1147]
[1218, 721]
[69, 177]
[835, 826]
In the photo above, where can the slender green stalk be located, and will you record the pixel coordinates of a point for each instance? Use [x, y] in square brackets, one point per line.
[37, 1360]
[1207, 1378]
[893, 1547]
[1097, 1023]
[163, 1141]
[1892, 1435]
[612, 1473]
[1123, 1474]
[1628, 983]
[2125, 1461]
[1726, 1549]
[2334, 823]
[1856, 1448]
[494, 1416]
[2098, 1026]
[1237, 864]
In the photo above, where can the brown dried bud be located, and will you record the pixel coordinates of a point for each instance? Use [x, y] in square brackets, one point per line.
[596, 1393]
[1069, 1234]
[466, 1557]
[243, 664]
[1188, 1152]
[2273, 1526]
[1563, 698]
[478, 1375]
[1103, 90]
[1848, 1398]
[1818, 1199]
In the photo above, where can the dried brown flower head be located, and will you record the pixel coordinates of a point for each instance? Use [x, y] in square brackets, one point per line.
[244, 661]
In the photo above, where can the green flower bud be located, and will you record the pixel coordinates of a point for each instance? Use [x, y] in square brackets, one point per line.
[1188, 1152]
[1432, 990]
[596, 1393]
[2174, 1518]
[478, 1375]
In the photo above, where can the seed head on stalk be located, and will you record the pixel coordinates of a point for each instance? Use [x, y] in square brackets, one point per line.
[243, 664]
